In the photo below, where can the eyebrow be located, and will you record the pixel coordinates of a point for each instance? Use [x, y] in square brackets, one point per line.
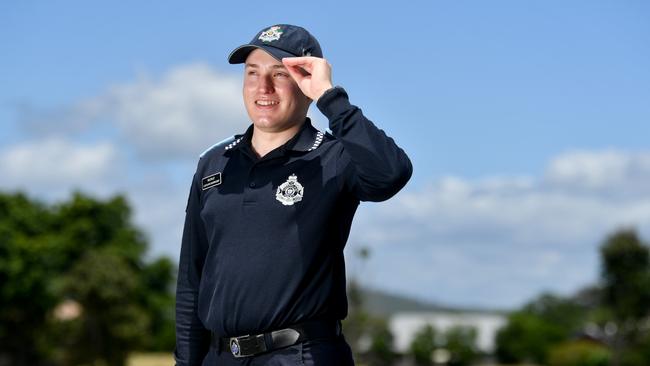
[273, 66]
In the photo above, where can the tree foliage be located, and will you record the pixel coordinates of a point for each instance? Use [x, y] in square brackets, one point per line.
[541, 324]
[626, 294]
[87, 253]
[617, 310]
[457, 344]
[626, 276]
[424, 343]
[460, 341]
[579, 353]
[26, 293]
[381, 350]
[368, 335]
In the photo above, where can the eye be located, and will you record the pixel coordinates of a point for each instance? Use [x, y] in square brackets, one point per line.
[282, 75]
[251, 72]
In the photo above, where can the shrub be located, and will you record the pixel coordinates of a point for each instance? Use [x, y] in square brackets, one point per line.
[579, 353]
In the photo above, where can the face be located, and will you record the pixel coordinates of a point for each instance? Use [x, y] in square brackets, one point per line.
[272, 98]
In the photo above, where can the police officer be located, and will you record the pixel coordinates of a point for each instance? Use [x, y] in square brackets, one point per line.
[261, 277]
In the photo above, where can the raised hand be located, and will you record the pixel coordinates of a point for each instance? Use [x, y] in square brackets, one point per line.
[313, 74]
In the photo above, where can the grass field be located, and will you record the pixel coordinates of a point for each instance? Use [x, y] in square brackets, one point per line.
[166, 359]
[151, 359]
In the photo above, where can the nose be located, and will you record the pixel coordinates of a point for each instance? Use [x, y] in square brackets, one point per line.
[265, 84]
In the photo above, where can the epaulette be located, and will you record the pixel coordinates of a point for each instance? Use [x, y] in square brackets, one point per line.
[225, 142]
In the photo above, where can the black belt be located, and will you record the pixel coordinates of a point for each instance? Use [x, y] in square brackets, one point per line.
[253, 344]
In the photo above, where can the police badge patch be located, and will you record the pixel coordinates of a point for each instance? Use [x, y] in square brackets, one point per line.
[290, 191]
[271, 34]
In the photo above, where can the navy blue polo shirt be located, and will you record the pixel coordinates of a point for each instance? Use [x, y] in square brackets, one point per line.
[263, 239]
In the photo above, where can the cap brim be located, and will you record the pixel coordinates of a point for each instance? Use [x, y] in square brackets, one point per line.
[239, 54]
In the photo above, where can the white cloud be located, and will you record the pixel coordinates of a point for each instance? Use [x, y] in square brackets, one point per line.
[612, 170]
[499, 241]
[147, 123]
[189, 109]
[54, 165]
[52, 168]
[178, 115]
[186, 110]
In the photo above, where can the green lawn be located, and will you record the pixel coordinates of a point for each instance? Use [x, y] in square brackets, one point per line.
[165, 359]
[151, 359]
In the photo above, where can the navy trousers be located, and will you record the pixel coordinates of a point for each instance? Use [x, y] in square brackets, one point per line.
[330, 352]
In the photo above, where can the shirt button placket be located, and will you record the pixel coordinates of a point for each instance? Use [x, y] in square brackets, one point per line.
[250, 195]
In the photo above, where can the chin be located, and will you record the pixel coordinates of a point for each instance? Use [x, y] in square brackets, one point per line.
[264, 122]
[272, 125]
[267, 124]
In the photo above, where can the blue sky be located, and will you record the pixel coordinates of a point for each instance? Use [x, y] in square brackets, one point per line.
[527, 124]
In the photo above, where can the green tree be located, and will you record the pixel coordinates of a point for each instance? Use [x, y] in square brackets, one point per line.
[626, 291]
[157, 280]
[25, 273]
[541, 324]
[111, 323]
[358, 320]
[356, 323]
[86, 252]
[460, 341]
[381, 352]
[424, 343]
[579, 353]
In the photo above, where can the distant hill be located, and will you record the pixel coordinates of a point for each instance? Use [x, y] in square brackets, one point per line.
[382, 303]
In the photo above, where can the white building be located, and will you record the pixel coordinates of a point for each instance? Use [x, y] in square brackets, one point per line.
[405, 325]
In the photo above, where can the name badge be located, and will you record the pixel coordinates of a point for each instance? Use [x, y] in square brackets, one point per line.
[211, 181]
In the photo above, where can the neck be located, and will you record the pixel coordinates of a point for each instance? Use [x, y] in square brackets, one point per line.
[264, 142]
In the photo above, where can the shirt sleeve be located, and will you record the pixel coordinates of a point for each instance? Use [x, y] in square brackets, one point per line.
[372, 166]
[192, 339]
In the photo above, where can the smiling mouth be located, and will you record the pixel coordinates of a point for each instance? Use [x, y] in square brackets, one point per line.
[266, 103]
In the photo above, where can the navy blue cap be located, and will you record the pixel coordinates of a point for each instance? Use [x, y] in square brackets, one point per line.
[281, 40]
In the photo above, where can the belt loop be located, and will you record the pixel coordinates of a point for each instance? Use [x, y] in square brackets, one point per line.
[268, 340]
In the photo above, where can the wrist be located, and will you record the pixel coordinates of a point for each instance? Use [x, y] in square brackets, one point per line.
[333, 102]
[324, 91]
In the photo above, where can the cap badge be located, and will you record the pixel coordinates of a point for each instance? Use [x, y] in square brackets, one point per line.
[290, 191]
[271, 34]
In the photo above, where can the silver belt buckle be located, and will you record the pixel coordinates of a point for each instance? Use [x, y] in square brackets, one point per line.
[235, 348]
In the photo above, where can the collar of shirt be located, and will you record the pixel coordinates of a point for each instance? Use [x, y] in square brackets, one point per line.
[306, 139]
